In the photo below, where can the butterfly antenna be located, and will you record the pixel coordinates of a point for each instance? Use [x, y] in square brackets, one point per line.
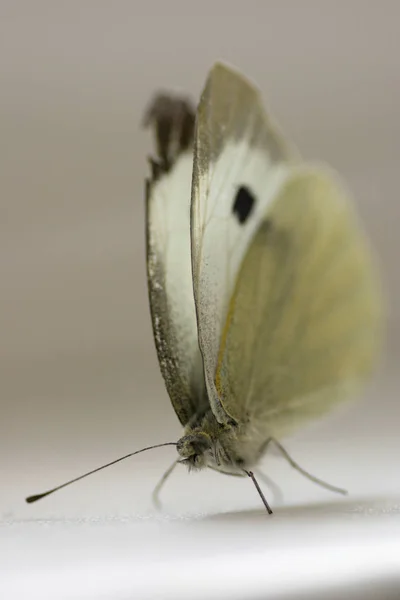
[37, 497]
[263, 498]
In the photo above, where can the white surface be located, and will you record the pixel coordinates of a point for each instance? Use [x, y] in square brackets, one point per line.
[79, 378]
[348, 550]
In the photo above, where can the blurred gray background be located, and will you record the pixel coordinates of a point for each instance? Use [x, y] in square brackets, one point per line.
[79, 377]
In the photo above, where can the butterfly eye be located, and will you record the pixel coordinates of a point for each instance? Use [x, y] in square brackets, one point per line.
[243, 204]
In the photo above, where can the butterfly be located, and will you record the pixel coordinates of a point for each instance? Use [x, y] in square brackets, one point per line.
[264, 295]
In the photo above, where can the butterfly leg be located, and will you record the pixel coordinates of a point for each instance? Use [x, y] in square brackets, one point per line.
[296, 466]
[259, 490]
[160, 484]
[275, 489]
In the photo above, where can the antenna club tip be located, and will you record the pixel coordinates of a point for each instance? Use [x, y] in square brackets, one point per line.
[34, 498]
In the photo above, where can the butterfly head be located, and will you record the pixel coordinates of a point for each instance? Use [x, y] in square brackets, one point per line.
[209, 447]
[195, 449]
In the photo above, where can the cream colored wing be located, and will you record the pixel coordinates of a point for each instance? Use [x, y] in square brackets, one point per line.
[240, 161]
[169, 269]
[305, 320]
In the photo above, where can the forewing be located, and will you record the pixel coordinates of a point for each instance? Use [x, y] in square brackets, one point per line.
[305, 320]
[169, 269]
[240, 161]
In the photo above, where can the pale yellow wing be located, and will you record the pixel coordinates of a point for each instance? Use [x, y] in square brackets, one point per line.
[305, 319]
[239, 161]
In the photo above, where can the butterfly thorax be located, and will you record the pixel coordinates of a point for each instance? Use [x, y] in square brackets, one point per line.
[207, 443]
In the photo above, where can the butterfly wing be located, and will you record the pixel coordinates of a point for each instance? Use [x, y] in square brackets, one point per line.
[240, 161]
[169, 270]
[305, 319]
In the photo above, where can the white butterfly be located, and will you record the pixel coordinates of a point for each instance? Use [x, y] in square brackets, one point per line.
[265, 304]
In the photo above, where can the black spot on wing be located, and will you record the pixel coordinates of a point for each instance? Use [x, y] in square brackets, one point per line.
[243, 204]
